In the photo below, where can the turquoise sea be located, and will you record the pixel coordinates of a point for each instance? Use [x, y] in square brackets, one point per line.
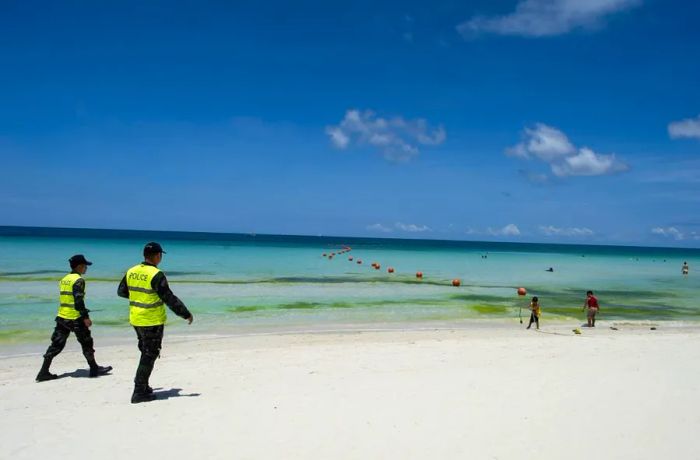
[234, 282]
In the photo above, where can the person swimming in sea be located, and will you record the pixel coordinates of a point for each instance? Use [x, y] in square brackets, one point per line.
[685, 270]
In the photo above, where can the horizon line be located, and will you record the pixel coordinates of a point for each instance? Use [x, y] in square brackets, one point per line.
[255, 234]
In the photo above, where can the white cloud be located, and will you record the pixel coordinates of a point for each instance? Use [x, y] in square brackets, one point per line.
[541, 18]
[508, 230]
[379, 228]
[669, 232]
[553, 147]
[396, 138]
[551, 230]
[411, 227]
[588, 163]
[543, 142]
[690, 127]
[338, 137]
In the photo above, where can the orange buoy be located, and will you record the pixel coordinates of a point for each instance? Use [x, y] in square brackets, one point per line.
[419, 275]
[456, 282]
[522, 291]
[390, 269]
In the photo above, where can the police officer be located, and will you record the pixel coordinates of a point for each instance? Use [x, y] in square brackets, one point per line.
[72, 317]
[147, 290]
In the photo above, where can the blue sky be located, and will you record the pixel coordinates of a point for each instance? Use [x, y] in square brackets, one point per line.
[535, 120]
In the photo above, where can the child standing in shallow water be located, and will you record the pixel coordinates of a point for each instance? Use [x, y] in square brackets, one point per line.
[534, 312]
[592, 304]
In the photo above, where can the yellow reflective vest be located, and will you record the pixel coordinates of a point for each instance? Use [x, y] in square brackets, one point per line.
[145, 306]
[66, 307]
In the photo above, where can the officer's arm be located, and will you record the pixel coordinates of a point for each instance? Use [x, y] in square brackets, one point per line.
[123, 289]
[160, 285]
[79, 296]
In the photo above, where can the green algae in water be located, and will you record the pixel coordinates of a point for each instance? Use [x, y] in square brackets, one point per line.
[490, 309]
[11, 336]
[279, 280]
[245, 308]
[341, 305]
[300, 305]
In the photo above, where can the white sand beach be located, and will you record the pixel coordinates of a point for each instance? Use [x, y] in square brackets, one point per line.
[472, 391]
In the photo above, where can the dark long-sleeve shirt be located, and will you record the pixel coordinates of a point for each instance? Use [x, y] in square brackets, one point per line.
[159, 284]
[79, 296]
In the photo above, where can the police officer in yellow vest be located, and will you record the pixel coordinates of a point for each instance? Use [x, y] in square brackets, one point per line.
[148, 292]
[72, 316]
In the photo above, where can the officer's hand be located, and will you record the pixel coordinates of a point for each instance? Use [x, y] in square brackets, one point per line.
[189, 320]
[88, 322]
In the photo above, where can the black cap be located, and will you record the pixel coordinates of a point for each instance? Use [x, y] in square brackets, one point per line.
[152, 248]
[78, 259]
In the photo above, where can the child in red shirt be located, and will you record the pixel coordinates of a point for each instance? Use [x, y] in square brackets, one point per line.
[592, 304]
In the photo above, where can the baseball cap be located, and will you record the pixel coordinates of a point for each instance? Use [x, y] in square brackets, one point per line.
[78, 259]
[153, 248]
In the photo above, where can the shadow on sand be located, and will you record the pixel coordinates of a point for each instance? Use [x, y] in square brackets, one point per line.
[172, 393]
[81, 373]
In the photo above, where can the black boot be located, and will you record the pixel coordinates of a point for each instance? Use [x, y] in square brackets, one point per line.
[44, 373]
[99, 370]
[96, 370]
[141, 394]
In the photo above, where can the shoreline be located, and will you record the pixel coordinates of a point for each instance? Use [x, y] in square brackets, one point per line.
[499, 326]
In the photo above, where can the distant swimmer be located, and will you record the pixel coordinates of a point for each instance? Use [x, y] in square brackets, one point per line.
[550, 269]
[685, 268]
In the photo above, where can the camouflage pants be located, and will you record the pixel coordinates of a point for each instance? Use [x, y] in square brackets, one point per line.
[150, 341]
[60, 335]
